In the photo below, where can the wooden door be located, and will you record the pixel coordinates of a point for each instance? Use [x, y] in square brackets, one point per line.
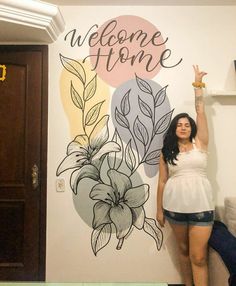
[23, 149]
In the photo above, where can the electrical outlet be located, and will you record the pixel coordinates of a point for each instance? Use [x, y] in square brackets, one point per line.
[60, 185]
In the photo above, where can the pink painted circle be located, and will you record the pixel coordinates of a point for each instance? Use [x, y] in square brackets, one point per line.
[125, 46]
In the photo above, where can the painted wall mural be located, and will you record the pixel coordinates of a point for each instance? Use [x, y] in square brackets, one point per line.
[113, 144]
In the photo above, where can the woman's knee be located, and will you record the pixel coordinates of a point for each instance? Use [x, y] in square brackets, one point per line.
[184, 249]
[198, 259]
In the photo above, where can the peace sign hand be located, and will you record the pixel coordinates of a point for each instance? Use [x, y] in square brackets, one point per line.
[198, 74]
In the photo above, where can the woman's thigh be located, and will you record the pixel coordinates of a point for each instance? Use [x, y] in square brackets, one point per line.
[182, 237]
[198, 240]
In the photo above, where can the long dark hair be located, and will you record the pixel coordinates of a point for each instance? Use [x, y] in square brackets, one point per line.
[170, 148]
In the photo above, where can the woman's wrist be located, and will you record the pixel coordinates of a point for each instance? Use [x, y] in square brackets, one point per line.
[198, 84]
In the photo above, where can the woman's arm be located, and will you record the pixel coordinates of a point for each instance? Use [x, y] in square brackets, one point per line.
[163, 176]
[201, 120]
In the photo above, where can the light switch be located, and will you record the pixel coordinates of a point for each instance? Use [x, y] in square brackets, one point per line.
[60, 185]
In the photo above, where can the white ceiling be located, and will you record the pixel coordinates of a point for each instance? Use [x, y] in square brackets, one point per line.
[142, 2]
[17, 26]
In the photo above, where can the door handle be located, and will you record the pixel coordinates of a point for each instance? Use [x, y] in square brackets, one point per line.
[3, 72]
[35, 176]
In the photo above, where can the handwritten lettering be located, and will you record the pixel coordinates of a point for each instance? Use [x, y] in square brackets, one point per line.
[79, 41]
[110, 37]
[124, 56]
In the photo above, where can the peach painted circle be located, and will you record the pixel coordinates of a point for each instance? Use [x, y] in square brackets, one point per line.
[125, 46]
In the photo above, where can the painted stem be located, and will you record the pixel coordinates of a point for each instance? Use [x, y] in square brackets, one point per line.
[83, 125]
[135, 144]
[120, 243]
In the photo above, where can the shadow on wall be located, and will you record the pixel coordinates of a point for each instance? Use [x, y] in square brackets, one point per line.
[213, 163]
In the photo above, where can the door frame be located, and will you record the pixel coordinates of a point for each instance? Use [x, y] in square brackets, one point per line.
[43, 148]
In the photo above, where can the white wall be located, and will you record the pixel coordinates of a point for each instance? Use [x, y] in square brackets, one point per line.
[199, 35]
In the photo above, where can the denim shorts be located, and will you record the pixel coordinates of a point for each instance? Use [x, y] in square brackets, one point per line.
[200, 218]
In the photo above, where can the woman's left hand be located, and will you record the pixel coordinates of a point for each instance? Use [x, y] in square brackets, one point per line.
[198, 74]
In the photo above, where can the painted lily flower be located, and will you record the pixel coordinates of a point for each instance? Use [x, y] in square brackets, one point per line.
[119, 203]
[85, 154]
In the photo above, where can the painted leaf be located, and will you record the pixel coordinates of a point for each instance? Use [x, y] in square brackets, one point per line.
[100, 237]
[143, 85]
[76, 97]
[145, 108]
[74, 67]
[163, 123]
[129, 156]
[160, 96]
[114, 159]
[125, 104]
[140, 131]
[121, 119]
[151, 228]
[90, 89]
[93, 114]
[153, 157]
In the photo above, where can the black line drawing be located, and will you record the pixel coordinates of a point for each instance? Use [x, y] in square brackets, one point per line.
[119, 203]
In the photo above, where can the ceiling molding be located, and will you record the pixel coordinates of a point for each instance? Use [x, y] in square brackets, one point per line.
[38, 21]
[143, 2]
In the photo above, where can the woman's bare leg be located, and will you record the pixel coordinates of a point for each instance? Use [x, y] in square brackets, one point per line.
[182, 237]
[198, 247]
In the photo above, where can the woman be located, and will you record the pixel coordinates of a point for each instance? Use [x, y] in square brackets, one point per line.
[184, 194]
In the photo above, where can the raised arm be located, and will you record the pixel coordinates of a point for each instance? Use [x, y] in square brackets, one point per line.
[201, 120]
